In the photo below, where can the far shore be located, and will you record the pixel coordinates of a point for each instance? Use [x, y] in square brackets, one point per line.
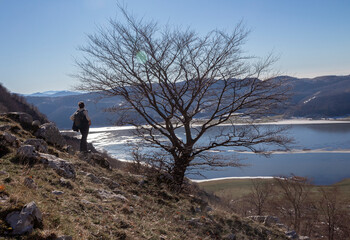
[262, 122]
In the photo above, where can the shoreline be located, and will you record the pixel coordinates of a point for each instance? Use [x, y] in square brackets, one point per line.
[277, 122]
[230, 178]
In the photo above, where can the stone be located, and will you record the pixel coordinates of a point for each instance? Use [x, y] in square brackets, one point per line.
[65, 183]
[98, 159]
[50, 133]
[27, 152]
[22, 118]
[56, 192]
[29, 182]
[267, 220]
[64, 238]
[24, 221]
[110, 183]
[292, 234]
[39, 144]
[304, 238]
[9, 138]
[103, 194]
[93, 178]
[5, 127]
[230, 236]
[62, 167]
[36, 123]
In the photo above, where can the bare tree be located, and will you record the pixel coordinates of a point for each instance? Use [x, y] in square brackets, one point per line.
[260, 193]
[170, 78]
[295, 192]
[333, 213]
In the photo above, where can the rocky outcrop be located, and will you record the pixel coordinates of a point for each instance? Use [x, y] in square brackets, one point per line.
[62, 167]
[50, 133]
[39, 144]
[27, 153]
[266, 220]
[24, 221]
[22, 118]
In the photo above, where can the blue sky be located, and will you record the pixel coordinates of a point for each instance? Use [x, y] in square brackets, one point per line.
[39, 38]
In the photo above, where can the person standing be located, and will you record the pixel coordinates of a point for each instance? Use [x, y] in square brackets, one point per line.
[81, 122]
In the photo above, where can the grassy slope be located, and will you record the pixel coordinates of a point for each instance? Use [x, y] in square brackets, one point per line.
[151, 211]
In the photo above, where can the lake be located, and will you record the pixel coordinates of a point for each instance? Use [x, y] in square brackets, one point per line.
[321, 152]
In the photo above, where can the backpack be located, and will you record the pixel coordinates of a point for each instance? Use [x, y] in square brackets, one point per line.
[80, 121]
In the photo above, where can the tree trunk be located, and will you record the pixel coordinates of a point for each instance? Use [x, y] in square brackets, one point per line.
[178, 173]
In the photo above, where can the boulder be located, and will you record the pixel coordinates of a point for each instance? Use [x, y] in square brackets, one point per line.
[27, 153]
[36, 123]
[39, 144]
[62, 167]
[8, 139]
[5, 127]
[93, 178]
[22, 118]
[29, 182]
[64, 238]
[267, 220]
[65, 183]
[99, 159]
[24, 221]
[103, 194]
[292, 234]
[50, 133]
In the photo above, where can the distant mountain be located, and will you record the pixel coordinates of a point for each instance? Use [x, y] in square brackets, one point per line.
[53, 94]
[321, 97]
[326, 96]
[10, 102]
[60, 108]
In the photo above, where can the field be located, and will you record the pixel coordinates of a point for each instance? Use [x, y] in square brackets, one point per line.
[236, 188]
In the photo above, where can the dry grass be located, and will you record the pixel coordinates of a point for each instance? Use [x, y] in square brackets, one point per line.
[151, 210]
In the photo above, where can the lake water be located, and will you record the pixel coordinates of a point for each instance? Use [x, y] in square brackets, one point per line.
[321, 152]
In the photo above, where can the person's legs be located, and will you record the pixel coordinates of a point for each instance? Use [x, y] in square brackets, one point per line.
[83, 141]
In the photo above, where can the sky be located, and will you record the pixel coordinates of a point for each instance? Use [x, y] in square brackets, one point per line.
[39, 39]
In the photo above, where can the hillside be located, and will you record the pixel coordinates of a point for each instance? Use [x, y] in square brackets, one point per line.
[68, 195]
[10, 102]
[320, 97]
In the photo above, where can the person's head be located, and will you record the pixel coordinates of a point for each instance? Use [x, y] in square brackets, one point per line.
[81, 104]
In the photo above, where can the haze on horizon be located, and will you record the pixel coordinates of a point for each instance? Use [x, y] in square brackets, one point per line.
[40, 38]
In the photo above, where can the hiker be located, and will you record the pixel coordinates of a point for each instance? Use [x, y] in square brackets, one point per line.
[82, 122]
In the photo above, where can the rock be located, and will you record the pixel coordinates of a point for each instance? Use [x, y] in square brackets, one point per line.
[103, 194]
[267, 220]
[50, 133]
[93, 178]
[65, 183]
[62, 167]
[29, 182]
[27, 152]
[64, 238]
[70, 149]
[292, 234]
[86, 201]
[22, 118]
[56, 192]
[9, 139]
[24, 221]
[98, 159]
[39, 144]
[230, 236]
[36, 123]
[5, 127]
[3, 172]
[110, 183]
[304, 238]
